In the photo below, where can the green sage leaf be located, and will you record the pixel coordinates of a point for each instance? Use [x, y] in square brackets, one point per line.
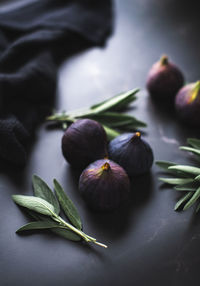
[193, 199]
[39, 225]
[116, 120]
[176, 181]
[65, 233]
[68, 234]
[182, 200]
[111, 133]
[42, 190]
[194, 142]
[193, 150]
[165, 164]
[67, 205]
[116, 102]
[187, 169]
[34, 203]
[184, 189]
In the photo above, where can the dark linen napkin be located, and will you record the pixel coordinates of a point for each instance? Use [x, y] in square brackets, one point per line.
[34, 39]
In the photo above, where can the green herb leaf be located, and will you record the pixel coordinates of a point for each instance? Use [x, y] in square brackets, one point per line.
[39, 225]
[116, 120]
[188, 189]
[194, 142]
[193, 199]
[116, 102]
[68, 234]
[34, 203]
[42, 190]
[193, 150]
[111, 133]
[176, 181]
[65, 233]
[165, 165]
[187, 169]
[67, 205]
[182, 200]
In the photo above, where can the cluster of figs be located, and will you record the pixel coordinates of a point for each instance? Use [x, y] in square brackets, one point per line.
[105, 183]
[165, 83]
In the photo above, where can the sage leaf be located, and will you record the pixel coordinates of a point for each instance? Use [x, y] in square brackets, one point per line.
[67, 205]
[116, 120]
[34, 203]
[115, 102]
[182, 200]
[42, 190]
[65, 233]
[188, 189]
[187, 169]
[193, 199]
[193, 150]
[68, 234]
[197, 178]
[165, 164]
[194, 142]
[176, 181]
[38, 225]
[110, 132]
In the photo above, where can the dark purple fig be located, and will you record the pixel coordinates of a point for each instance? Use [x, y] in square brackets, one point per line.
[104, 185]
[132, 153]
[164, 80]
[84, 142]
[187, 103]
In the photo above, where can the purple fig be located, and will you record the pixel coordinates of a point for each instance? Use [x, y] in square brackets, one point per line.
[84, 142]
[187, 103]
[104, 185]
[164, 80]
[132, 153]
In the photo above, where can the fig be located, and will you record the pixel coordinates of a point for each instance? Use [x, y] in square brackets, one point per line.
[132, 153]
[84, 142]
[104, 185]
[187, 103]
[164, 80]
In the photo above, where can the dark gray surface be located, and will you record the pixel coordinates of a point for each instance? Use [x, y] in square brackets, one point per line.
[149, 243]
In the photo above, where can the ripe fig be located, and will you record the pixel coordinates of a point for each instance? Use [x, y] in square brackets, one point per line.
[187, 103]
[84, 142]
[132, 153]
[164, 80]
[104, 185]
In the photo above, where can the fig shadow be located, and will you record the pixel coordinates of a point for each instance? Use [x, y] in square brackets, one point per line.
[114, 225]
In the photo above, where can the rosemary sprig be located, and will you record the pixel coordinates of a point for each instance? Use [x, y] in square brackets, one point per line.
[108, 113]
[44, 208]
[184, 178]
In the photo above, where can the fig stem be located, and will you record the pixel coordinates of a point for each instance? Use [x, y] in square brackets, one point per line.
[137, 135]
[164, 60]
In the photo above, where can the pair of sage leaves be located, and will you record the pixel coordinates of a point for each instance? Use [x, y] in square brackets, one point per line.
[45, 207]
[185, 178]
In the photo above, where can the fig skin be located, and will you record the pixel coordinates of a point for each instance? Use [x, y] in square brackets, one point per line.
[164, 80]
[132, 153]
[104, 185]
[83, 142]
[187, 103]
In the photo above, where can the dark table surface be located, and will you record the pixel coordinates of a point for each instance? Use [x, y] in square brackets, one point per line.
[148, 243]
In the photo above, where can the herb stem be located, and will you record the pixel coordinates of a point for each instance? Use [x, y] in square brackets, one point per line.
[86, 237]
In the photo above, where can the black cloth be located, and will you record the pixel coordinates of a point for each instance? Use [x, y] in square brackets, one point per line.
[34, 39]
